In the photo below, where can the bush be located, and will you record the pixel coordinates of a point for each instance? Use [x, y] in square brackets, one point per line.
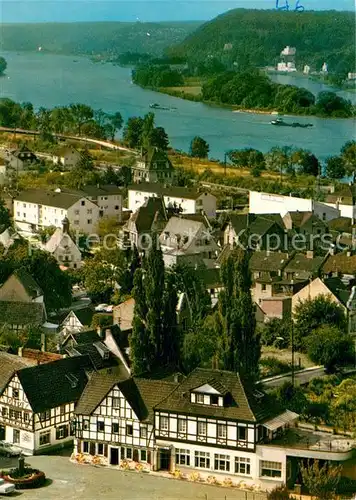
[272, 366]
[278, 493]
[329, 346]
[274, 331]
[346, 485]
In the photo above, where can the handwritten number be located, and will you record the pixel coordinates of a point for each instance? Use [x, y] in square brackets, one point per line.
[298, 7]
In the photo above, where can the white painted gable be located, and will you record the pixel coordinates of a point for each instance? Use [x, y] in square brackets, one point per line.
[207, 389]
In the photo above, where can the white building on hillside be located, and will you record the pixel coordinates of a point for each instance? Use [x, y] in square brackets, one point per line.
[266, 203]
[188, 201]
[63, 248]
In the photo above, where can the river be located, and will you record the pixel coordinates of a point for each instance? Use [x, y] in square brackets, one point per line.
[52, 80]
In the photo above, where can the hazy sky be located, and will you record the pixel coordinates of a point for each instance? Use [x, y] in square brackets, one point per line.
[144, 10]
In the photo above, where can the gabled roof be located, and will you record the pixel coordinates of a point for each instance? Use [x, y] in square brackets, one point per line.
[54, 384]
[160, 189]
[256, 223]
[341, 225]
[153, 211]
[141, 394]
[337, 287]
[9, 364]
[340, 263]
[180, 233]
[62, 199]
[268, 261]
[301, 264]
[245, 404]
[94, 351]
[101, 190]
[59, 239]
[22, 313]
[155, 159]
[32, 288]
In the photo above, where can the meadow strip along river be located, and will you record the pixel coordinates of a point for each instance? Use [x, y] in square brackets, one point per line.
[55, 80]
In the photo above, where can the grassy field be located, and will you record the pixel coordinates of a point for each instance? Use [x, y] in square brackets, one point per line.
[286, 356]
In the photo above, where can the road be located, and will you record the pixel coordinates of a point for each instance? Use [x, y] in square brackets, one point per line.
[68, 481]
[302, 377]
[105, 144]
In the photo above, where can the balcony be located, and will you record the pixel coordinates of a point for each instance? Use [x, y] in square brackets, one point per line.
[314, 444]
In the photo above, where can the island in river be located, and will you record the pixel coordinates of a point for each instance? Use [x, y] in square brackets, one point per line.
[55, 80]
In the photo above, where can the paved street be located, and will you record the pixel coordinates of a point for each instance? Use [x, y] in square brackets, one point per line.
[301, 378]
[69, 481]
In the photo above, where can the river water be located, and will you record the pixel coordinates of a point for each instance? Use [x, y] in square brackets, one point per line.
[51, 80]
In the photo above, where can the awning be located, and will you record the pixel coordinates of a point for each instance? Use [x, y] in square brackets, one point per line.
[285, 418]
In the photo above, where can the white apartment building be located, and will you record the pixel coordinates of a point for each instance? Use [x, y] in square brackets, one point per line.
[188, 201]
[266, 203]
[37, 401]
[34, 209]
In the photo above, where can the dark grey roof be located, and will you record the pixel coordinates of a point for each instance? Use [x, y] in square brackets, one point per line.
[32, 288]
[94, 351]
[242, 402]
[153, 211]
[159, 189]
[63, 199]
[101, 190]
[268, 261]
[54, 384]
[9, 364]
[22, 313]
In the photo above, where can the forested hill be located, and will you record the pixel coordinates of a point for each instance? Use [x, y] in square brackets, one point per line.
[258, 37]
[95, 38]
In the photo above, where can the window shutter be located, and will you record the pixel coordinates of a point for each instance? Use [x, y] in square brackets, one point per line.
[148, 456]
[79, 446]
[105, 450]
[122, 453]
[135, 455]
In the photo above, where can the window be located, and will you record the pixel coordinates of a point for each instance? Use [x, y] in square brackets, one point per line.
[128, 453]
[241, 433]
[62, 432]
[62, 409]
[89, 211]
[182, 425]
[85, 425]
[18, 415]
[201, 428]
[182, 456]
[115, 403]
[100, 449]
[76, 222]
[199, 398]
[271, 469]
[26, 417]
[115, 428]
[83, 203]
[214, 400]
[85, 447]
[221, 431]
[45, 438]
[143, 455]
[202, 460]
[45, 415]
[15, 393]
[100, 426]
[129, 430]
[222, 462]
[143, 431]
[76, 212]
[116, 207]
[163, 423]
[264, 288]
[4, 411]
[89, 221]
[16, 436]
[11, 413]
[242, 465]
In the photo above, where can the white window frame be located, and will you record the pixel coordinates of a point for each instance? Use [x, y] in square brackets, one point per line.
[143, 431]
[201, 426]
[199, 398]
[275, 469]
[43, 434]
[243, 466]
[182, 426]
[202, 457]
[183, 457]
[143, 459]
[222, 462]
[163, 423]
[221, 427]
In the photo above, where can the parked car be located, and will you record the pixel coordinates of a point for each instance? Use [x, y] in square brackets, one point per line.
[7, 450]
[101, 308]
[6, 488]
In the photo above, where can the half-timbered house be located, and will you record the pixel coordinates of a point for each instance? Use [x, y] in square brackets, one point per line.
[115, 418]
[37, 402]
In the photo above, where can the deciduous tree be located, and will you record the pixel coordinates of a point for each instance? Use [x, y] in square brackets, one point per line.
[199, 148]
[321, 482]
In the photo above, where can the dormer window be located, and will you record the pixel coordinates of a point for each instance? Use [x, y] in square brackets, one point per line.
[214, 400]
[199, 398]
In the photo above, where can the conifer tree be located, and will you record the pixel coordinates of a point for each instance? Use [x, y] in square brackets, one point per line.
[139, 348]
[171, 341]
[239, 345]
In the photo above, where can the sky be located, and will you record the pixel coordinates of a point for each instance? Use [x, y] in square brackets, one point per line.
[142, 10]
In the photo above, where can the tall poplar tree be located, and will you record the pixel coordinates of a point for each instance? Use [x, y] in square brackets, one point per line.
[171, 339]
[239, 345]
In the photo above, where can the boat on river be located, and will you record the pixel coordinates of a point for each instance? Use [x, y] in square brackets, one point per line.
[162, 108]
[281, 123]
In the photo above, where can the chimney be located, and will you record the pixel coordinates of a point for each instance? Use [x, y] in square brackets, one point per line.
[65, 225]
[310, 254]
